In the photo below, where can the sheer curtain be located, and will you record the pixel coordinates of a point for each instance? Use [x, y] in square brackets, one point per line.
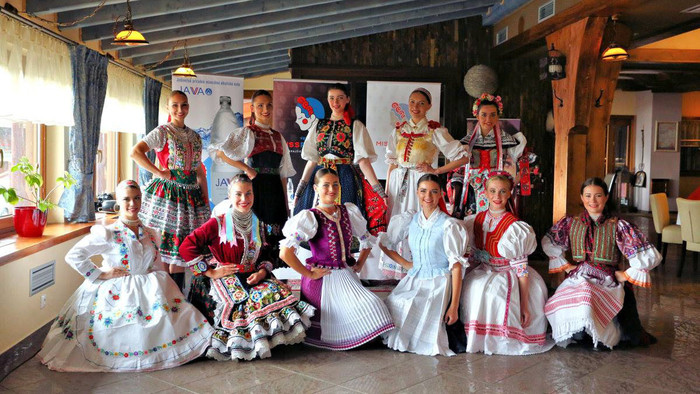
[124, 111]
[35, 73]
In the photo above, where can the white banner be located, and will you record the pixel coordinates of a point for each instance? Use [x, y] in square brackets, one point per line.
[216, 109]
[387, 103]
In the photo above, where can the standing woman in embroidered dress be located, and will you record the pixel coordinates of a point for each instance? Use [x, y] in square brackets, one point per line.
[492, 149]
[413, 148]
[128, 315]
[348, 315]
[262, 154]
[503, 300]
[344, 145]
[595, 303]
[250, 309]
[427, 299]
[176, 201]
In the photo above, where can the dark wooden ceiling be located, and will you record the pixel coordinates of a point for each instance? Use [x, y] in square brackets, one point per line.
[244, 37]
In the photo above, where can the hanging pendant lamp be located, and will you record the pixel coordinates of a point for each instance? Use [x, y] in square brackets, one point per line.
[185, 70]
[614, 52]
[128, 36]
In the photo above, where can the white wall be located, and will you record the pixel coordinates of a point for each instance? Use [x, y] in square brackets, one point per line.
[624, 103]
[651, 108]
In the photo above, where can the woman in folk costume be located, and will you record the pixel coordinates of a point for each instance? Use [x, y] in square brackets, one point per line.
[348, 315]
[344, 145]
[252, 311]
[128, 315]
[176, 200]
[595, 303]
[492, 149]
[413, 148]
[428, 297]
[502, 299]
[262, 154]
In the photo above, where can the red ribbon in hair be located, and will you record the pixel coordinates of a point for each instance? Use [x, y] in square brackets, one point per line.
[348, 115]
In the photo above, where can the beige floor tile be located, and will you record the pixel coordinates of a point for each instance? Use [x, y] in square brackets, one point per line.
[681, 377]
[491, 369]
[447, 383]
[34, 374]
[544, 377]
[291, 384]
[140, 383]
[599, 385]
[337, 390]
[396, 377]
[198, 370]
[631, 367]
[243, 377]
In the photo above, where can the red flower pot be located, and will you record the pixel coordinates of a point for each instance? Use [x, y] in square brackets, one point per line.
[30, 221]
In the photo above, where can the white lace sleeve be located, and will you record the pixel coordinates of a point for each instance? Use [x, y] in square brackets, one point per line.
[397, 230]
[300, 228]
[516, 244]
[286, 167]
[390, 156]
[641, 255]
[450, 147]
[359, 226]
[156, 139]
[517, 151]
[455, 242]
[237, 146]
[309, 151]
[362, 143]
[97, 242]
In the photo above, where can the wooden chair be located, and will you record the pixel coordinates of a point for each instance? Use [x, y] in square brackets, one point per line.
[668, 233]
[689, 212]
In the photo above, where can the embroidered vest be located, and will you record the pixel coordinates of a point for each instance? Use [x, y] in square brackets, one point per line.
[604, 246]
[490, 245]
[415, 148]
[330, 247]
[265, 141]
[334, 137]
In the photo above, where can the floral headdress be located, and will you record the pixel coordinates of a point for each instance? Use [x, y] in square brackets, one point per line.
[503, 174]
[487, 97]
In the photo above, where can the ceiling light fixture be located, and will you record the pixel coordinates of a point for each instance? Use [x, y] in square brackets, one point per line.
[128, 36]
[614, 52]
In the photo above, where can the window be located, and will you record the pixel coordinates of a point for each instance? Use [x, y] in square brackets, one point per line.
[106, 164]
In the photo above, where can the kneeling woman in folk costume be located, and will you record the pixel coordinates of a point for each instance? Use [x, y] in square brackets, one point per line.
[502, 299]
[251, 311]
[128, 315]
[428, 297]
[595, 303]
[348, 315]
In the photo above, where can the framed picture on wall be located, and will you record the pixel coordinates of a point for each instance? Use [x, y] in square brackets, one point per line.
[666, 137]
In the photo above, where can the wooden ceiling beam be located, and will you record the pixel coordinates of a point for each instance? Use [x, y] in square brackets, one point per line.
[283, 22]
[238, 60]
[304, 38]
[642, 55]
[187, 12]
[534, 37]
[53, 6]
[216, 67]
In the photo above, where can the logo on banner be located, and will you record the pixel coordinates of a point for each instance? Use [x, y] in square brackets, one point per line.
[196, 90]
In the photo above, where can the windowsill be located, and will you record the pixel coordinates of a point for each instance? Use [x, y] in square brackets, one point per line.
[15, 247]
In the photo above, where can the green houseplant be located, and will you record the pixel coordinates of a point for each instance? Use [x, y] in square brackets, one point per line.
[30, 221]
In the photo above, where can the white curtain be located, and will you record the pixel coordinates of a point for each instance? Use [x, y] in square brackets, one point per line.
[123, 111]
[35, 74]
[163, 105]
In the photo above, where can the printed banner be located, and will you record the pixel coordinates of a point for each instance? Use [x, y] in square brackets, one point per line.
[298, 105]
[387, 104]
[216, 110]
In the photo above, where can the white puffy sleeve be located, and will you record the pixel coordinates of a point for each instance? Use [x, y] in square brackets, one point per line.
[286, 167]
[390, 156]
[309, 151]
[300, 228]
[362, 143]
[517, 151]
[518, 242]
[156, 139]
[221, 208]
[642, 255]
[555, 244]
[450, 147]
[359, 226]
[469, 227]
[237, 146]
[455, 242]
[397, 230]
[97, 242]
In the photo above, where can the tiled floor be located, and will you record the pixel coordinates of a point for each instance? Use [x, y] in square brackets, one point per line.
[670, 310]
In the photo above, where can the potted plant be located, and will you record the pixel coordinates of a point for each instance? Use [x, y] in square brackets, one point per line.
[30, 221]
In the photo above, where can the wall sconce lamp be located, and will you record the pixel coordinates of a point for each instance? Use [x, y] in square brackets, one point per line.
[555, 64]
[614, 52]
